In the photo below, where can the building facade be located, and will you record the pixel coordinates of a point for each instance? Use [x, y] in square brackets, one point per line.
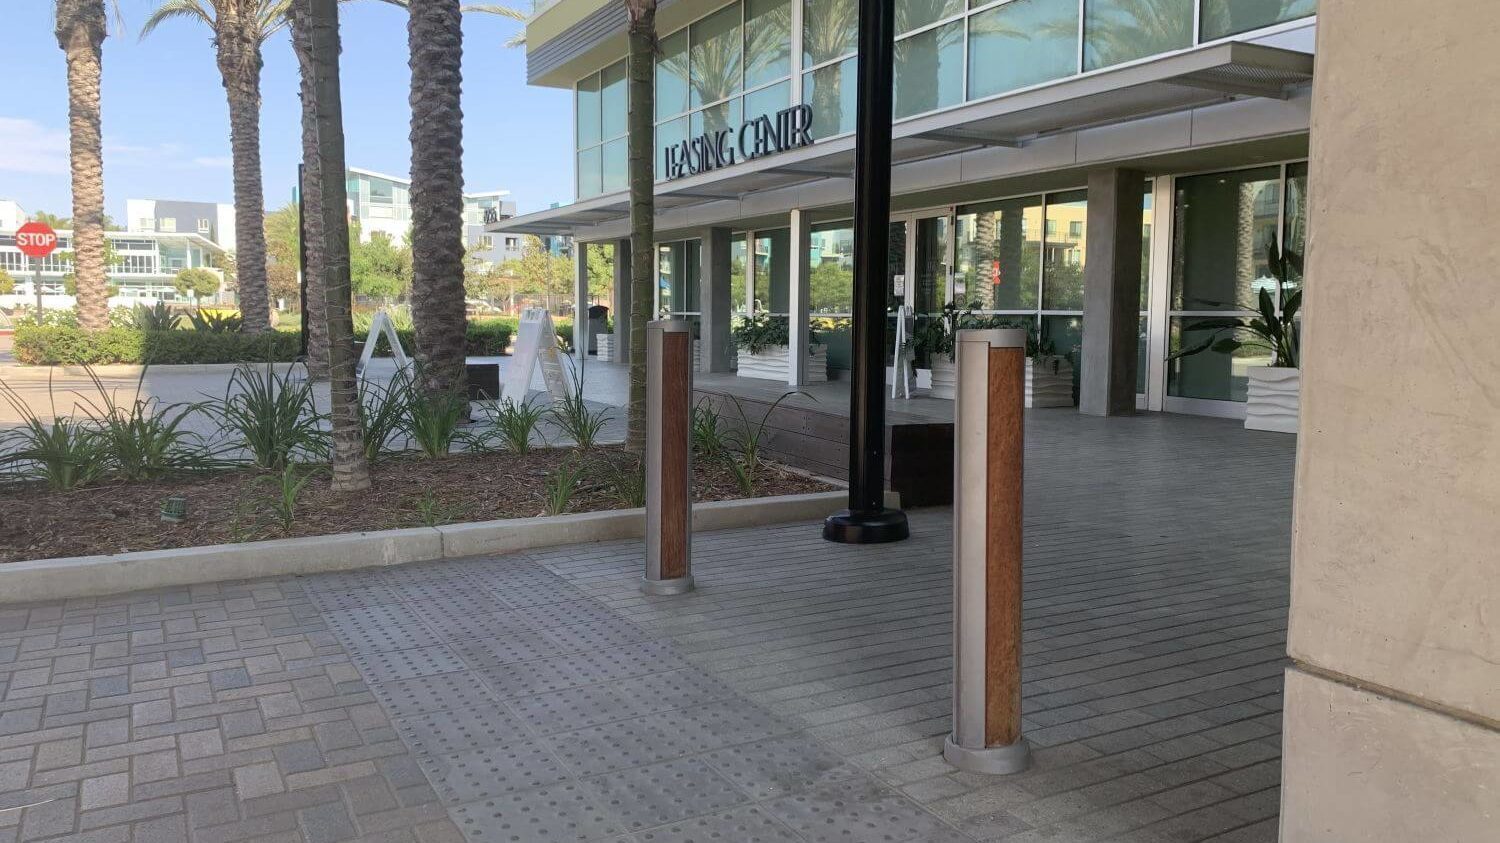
[213, 221]
[380, 202]
[1012, 122]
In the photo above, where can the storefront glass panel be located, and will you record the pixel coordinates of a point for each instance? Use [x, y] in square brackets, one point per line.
[1295, 238]
[830, 261]
[587, 111]
[768, 41]
[613, 100]
[915, 14]
[1223, 226]
[1222, 18]
[1025, 42]
[588, 172]
[830, 29]
[999, 254]
[715, 66]
[1209, 375]
[930, 70]
[615, 173]
[830, 92]
[1116, 31]
[677, 268]
[739, 277]
[773, 271]
[1064, 251]
[672, 75]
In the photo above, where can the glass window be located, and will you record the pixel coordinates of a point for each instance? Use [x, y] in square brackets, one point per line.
[830, 261]
[773, 271]
[830, 29]
[587, 111]
[768, 41]
[1065, 332]
[672, 75]
[1231, 17]
[999, 254]
[739, 279]
[1022, 43]
[612, 100]
[1209, 375]
[725, 115]
[1146, 219]
[1224, 224]
[677, 264]
[1116, 31]
[768, 100]
[1295, 239]
[915, 14]
[930, 70]
[615, 169]
[714, 69]
[830, 92]
[1063, 251]
[668, 134]
[589, 183]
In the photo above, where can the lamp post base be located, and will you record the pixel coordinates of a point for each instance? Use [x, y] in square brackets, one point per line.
[851, 527]
[990, 761]
[676, 585]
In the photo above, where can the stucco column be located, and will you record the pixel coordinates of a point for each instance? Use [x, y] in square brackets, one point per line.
[1111, 294]
[714, 300]
[621, 311]
[581, 338]
[797, 301]
[1392, 709]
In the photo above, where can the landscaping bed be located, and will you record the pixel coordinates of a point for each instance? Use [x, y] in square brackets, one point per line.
[406, 491]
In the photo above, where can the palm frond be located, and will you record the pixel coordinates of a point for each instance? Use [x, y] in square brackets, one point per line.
[497, 9]
[274, 16]
[174, 9]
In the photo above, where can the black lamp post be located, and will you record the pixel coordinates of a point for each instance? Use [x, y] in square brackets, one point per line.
[867, 521]
[302, 258]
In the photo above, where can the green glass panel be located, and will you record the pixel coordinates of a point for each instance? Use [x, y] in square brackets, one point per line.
[615, 171]
[929, 70]
[768, 41]
[716, 61]
[830, 261]
[588, 172]
[830, 92]
[1064, 251]
[1222, 18]
[915, 14]
[613, 100]
[1117, 31]
[670, 133]
[725, 115]
[768, 100]
[586, 110]
[1209, 375]
[1295, 239]
[1022, 43]
[672, 75]
[1223, 225]
[830, 29]
[999, 254]
[773, 271]
[739, 277]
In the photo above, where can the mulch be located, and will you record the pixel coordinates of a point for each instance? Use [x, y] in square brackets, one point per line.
[405, 491]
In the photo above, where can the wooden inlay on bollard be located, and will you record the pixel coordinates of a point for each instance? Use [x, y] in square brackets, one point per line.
[1004, 502]
[677, 412]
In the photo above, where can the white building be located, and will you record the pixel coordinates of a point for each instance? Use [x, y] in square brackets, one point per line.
[382, 202]
[214, 221]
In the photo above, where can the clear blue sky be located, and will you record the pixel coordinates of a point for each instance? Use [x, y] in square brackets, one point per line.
[166, 123]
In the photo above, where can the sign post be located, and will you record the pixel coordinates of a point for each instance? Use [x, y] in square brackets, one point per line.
[36, 240]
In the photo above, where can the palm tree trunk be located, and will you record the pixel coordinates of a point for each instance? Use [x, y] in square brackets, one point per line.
[239, 66]
[80, 33]
[312, 192]
[642, 209]
[435, 37]
[350, 471]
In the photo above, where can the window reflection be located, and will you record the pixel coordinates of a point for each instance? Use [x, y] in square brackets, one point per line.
[830, 92]
[716, 50]
[830, 261]
[1231, 17]
[830, 29]
[999, 254]
[768, 41]
[929, 70]
[1022, 43]
[1064, 250]
[1224, 223]
[1116, 31]
[672, 75]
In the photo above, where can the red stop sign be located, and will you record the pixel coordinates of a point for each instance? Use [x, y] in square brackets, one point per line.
[36, 239]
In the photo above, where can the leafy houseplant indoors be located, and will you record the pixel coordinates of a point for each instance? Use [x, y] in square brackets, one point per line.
[763, 341]
[1274, 397]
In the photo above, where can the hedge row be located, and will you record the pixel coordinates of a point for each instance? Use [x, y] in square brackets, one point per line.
[53, 346]
[481, 339]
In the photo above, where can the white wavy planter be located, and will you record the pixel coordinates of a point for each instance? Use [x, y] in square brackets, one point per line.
[604, 348]
[1049, 383]
[1275, 399]
[771, 364]
[942, 378]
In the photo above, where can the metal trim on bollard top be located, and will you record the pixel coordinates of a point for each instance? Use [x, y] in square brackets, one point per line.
[988, 468]
[669, 501]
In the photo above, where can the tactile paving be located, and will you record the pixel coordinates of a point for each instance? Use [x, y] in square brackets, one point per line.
[573, 708]
[518, 646]
[854, 810]
[408, 664]
[778, 766]
[491, 771]
[433, 693]
[672, 689]
[616, 746]
[567, 612]
[536, 593]
[372, 594]
[375, 628]
[454, 625]
[563, 812]
[723, 723]
[745, 824]
[662, 793]
[459, 730]
[597, 635]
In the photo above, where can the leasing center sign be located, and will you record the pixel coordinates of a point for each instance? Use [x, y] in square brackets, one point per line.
[787, 129]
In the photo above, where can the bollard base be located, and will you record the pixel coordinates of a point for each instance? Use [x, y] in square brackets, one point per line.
[990, 761]
[850, 527]
[676, 585]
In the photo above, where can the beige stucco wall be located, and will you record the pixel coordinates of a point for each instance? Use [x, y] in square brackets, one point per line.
[1396, 550]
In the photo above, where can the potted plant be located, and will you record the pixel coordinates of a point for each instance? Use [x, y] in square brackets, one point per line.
[763, 342]
[933, 339]
[1274, 398]
[1049, 375]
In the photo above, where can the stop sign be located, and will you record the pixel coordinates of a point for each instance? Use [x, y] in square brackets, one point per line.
[36, 239]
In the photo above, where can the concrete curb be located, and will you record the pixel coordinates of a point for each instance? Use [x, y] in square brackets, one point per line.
[18, 371]
[93, 576]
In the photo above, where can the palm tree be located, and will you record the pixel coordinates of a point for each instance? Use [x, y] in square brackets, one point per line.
[311, 186]
[316, 23]
[81, 27]
[240, 28]
[641, 146]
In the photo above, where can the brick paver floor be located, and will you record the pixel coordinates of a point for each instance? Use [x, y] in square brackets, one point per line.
[801, 694]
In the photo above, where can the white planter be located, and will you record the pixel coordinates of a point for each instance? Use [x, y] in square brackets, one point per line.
[923, 378]
[771, 364]
[604, 348]
[942, 378]
[1049, 383]
[1274, 400]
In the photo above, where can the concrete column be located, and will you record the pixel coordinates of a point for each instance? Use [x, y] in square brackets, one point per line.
[714, 305]
[622, 301]
[797, 302]
[1392, 709]
[1111, 294]
[581, 338]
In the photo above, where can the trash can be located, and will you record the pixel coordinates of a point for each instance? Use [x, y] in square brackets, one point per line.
[598, 319]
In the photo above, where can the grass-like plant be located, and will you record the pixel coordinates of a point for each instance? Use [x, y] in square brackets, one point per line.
[155, 318]
[626, 478]
[513, 423]
[281, 492]
[271, 416]
[561, 486]
[145, 439]
[382, 413]
[709, 438]
[743, 454]
[432, 512]
[573, 416]
[62, 452]
[433, 420]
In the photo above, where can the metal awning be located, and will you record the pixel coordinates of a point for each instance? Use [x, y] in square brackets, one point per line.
[1191, 79]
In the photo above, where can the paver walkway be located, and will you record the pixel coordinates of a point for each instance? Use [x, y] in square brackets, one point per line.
[800, 694]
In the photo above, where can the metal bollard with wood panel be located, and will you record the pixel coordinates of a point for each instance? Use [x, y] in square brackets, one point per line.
[989, 455]
[669, 499]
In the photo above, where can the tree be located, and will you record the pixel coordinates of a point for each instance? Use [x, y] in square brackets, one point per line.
[310, 258]
[378, 268]
[601, 261]
[196, 282]
[240, 28]
[281, 261]
[80, 29]
[642, 143]
[350, 470]
[7, 283]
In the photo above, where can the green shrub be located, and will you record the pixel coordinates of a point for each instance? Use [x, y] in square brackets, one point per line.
[59, 346]
[482, 338]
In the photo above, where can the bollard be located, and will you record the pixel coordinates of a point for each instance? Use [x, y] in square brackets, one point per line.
[669, 501]
[989, 453]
